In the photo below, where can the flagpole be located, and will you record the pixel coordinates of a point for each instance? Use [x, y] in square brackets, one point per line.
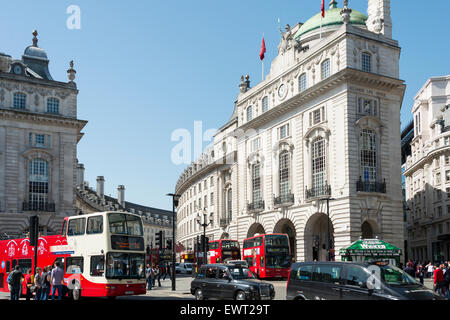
[262, 78]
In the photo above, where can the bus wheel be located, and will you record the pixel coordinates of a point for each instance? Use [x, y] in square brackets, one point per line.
[199, 294]
[76, 294]
[240, 295]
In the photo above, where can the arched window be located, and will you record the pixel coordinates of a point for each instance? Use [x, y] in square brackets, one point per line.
[265, 104]
[325, 69]
[38, 185]
[256, 183]
[249, 113]
[284, 174]
[302, 84]
[318, 166]
[366, 62]
[53, 105]
[20, 100]
[368, 155]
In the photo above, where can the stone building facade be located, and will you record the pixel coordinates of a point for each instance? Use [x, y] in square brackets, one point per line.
[318, 137]
[427, 174]
[39, 132]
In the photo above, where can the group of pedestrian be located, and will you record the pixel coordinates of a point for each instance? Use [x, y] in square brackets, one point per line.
[44, 280]
[155, 273]
[438, 272]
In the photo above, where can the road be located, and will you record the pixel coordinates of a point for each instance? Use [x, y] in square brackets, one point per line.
[183, 290]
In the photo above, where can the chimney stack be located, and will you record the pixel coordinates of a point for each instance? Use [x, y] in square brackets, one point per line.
[101, 187]
[121, 195]
[80, 175]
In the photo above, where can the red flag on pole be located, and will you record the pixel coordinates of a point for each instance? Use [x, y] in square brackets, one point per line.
[323, 8]
[263, 49]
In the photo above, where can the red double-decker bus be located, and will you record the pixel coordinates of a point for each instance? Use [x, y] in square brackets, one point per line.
[102, 255]
[223, 249]
[268, 255]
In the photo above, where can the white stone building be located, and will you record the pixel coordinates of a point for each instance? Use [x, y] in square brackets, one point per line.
[324, 124]
[427, 174]
[39, 132]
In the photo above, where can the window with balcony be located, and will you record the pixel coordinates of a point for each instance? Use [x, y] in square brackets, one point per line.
[285, 195]
[318, 166]
[368, 155]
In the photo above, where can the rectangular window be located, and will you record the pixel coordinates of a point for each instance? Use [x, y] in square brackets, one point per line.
[76, 227]
[249, 113]
[366, 62]
[302, 85]
[256, 183]
[325, 69]
[265, 104]
[283, 131]
[95, 225]
[97, 266]
[53, 106]
[20, 101]
[255, 145]
[74, 265]
[447, 176]
[211, 199]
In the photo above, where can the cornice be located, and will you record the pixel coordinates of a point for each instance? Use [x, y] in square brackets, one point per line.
[46, 119]
[38, 82]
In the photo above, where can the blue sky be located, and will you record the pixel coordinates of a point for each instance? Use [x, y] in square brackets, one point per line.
[147, 68]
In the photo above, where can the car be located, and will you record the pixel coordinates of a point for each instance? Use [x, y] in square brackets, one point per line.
[185, 268]
[353, 281]
[237, 262]
[229, 282]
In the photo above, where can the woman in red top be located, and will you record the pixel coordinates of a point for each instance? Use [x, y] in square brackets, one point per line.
[29, 283]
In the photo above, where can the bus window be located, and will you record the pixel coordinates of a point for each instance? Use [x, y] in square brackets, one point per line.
[64, 227]
[25, 265]
[2, 279]
[97, 266]
[76, 227]
[8, 266]
[95, 225]
[74, 265]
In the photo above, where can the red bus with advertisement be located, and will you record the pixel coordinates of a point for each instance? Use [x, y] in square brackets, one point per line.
[268, 255]
[102, 255]
[222, 250]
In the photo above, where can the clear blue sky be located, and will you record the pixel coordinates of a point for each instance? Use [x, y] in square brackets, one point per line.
[146, 68]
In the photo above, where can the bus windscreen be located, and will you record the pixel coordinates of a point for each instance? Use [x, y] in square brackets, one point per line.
[277, 251]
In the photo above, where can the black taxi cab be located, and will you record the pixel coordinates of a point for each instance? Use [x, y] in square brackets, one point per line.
[229, 282]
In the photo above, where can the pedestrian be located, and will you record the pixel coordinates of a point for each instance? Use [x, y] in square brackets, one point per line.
[37, 284]
[46, 284]
[28, 283]
[153, 275]
[148, 274]
[430, 269]
[420, 273]
[409, 270]
[57, 278]
[439, 280]
[158, 275]
[447, 281]
[14, 280]
[164, 271]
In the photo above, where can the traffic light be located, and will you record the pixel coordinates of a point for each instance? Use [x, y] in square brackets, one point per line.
[169, 244]
[159, 239]
[34, 231]
[205, 243]
[148, 250]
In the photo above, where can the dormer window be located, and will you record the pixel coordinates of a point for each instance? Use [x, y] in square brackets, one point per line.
[20, 100]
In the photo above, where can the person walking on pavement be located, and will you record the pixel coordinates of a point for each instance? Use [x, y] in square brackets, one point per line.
[28, 283]
[439, 280]
[37, 284]
[430, 269]
[46, 284]
[57, 277]
[153, 275]
[420, 273]
[15, 283]
[148, 275]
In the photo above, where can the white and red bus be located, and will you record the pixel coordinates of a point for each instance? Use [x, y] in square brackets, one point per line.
[268, 255]
[223, 249]
[102, 255]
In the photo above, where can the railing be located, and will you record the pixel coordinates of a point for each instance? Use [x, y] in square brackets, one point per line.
[367, 186]
[323, 191]
[38, 206]
[284, 200]
[256, 206]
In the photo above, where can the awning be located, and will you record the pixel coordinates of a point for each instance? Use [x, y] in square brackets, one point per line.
[371, 247]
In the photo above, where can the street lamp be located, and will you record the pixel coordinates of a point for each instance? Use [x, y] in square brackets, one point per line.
[175, 199]
[202, 221]
[328, 229]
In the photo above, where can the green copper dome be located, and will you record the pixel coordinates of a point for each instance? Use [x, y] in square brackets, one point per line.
[332, 17]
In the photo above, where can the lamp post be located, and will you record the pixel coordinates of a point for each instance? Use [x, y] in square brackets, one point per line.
[328, 229]
[175, 199]
[202, 221]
